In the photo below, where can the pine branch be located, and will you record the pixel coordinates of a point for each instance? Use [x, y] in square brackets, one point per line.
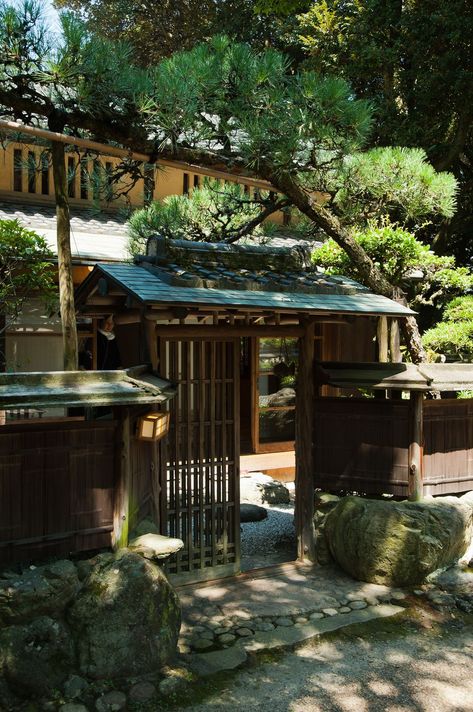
[248, 228]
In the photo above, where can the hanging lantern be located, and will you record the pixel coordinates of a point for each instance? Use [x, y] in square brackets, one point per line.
[153, 426]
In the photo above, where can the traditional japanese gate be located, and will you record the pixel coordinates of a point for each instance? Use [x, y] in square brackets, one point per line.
[199, 500]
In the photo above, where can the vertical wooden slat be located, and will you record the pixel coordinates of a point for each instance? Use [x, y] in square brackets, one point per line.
[203, 469]
[188, 450]
[214, 489]
[223, 454]
[236, 451]
[163, 451]
[304, 485]
[176, 478]
[254, 366]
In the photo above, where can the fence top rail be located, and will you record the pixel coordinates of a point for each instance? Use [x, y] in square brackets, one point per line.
[48, 389]
[398, 376]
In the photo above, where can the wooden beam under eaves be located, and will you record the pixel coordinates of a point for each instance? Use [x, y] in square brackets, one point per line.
[218, 331]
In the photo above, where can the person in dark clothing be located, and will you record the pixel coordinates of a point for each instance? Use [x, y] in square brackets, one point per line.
[108, 354]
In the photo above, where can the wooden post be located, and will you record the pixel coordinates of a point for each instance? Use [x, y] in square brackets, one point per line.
[395, 342]
[94, 343]
[152, 341]
[121, 505]
[416, 446]
[304, 506]
[382, 338]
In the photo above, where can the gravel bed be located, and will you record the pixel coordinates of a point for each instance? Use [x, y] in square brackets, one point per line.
[270, 541]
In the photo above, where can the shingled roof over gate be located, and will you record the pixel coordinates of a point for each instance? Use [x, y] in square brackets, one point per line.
[238, 276]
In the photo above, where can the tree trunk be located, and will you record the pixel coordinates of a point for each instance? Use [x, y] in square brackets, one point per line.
[64, 258]
[371, 275]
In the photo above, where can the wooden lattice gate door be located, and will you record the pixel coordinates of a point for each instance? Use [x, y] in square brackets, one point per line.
[200, 458]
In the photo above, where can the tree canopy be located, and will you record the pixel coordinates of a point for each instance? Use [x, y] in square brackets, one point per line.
[414, 61]
[211, 213]
[453, 336]
[224, 105]
[158, 29]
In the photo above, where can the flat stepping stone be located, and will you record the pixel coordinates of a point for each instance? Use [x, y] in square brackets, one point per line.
[282, 637]
[207, 664]
[264, 626]
[284, 622]
[207, 634]
[226, 638]
[358, 605]
[330, 612]
[155, 546]
[244, 632]
[202, 644]
[252, 513]
[398, 596]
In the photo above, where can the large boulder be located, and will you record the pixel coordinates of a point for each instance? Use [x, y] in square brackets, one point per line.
[283, 397]
[38, 591]
[398, 543]
[257, 488]
[252, 513]
[126, 619]
[36, 657]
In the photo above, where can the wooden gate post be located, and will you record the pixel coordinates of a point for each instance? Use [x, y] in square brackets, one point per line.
[304, 506]
[416, 446]
[121, 504]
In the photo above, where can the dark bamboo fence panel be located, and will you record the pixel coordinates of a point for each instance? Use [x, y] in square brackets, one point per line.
[361, 445]
[144, 485]
[448, 446]
[200, 457]
[56, 488]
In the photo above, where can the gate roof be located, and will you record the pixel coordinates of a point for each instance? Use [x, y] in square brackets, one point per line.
[246, 277]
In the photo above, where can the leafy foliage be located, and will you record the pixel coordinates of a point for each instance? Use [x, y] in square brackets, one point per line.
[25, 268]
[426, 278]
[226, 98]
[157, 30]
[453, 336]
[211, 213]
[74, 69]
[396, 180]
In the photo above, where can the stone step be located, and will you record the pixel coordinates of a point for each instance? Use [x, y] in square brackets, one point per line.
[206, 664]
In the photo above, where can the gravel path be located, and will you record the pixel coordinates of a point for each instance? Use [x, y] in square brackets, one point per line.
[397, 667]
[270, 541]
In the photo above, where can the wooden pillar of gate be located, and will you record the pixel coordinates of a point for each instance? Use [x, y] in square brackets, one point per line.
[304, 506]
[416, 446]
[121, 505]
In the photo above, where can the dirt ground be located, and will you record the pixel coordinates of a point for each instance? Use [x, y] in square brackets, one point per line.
[421, 662]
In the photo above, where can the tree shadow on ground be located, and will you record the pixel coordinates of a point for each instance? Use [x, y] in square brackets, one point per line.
[397, 665]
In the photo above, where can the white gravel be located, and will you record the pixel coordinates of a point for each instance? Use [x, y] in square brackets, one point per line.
[271, 540]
